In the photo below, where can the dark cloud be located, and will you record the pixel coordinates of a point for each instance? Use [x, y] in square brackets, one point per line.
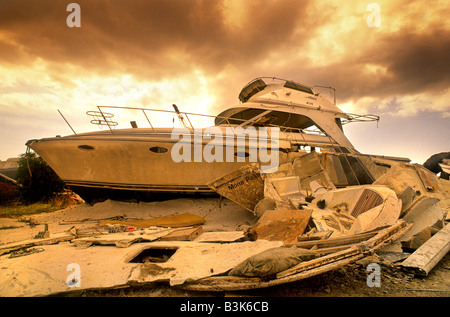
[418, 62]
[148, 38]
[414, 63]
[404, 63]
[160, 39]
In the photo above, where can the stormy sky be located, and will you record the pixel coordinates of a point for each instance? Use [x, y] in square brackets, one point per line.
[198, 54]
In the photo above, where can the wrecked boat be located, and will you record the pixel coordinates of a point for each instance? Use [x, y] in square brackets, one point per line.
[274, 118]
[315, 212]
[304, 227]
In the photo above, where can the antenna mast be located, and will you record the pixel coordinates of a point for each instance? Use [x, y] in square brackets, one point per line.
[67, 122]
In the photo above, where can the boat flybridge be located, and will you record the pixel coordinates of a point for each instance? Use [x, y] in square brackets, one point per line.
[274, 118]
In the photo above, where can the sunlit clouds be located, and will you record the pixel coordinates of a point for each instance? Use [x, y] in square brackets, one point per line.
[198, 54]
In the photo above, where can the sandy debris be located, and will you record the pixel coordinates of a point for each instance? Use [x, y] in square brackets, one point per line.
[220, 215]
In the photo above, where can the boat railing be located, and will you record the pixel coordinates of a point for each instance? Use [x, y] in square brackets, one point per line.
[352, 117]
[106, 118]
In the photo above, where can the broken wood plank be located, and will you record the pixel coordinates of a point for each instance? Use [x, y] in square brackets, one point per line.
[243, 186]
[318, 235]
[327, 259]
[219, 237]
[338, 241]
[122, 239]
[282, 225]
[385, 236]
[425, 258]
[53, 239]
[186, 234]
[173, 221]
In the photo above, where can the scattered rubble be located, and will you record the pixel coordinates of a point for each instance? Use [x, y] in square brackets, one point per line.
[317, 213]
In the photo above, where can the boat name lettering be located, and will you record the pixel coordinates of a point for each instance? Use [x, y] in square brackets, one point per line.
[235, 185]
[241, 182]
[251, 177]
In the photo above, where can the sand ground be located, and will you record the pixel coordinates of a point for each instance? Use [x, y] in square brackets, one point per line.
[224, 215]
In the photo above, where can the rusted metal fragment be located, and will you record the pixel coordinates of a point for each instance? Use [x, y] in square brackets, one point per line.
[282, 225]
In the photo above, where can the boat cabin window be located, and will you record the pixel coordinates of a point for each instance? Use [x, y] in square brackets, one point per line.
[154, 255]
[252, 88]
[242, 154]
[287, 121]
[86, 147]
[296, 86]
[158, 149]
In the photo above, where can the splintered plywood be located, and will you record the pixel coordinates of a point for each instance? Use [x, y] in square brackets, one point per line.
[184, 234]
[244, 186]
[123, 239]
[173, 221]
[221, 237]
[53, 239]
[282, 225]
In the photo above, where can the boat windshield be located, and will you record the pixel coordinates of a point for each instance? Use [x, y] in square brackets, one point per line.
[258, 84]
[252, 88]
[265, 118]
[297, 86]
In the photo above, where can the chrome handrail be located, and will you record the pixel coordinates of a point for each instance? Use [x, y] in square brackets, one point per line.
[105, 118]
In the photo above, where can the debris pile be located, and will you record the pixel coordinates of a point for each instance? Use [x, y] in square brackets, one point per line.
[316, 199]
[318, 212]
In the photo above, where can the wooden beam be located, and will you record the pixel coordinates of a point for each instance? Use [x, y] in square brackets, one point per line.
[185, 234]
[338, 241]
[53, 239]
[425, 258]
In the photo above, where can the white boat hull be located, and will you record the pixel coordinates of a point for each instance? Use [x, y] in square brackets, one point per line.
[115, 162]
